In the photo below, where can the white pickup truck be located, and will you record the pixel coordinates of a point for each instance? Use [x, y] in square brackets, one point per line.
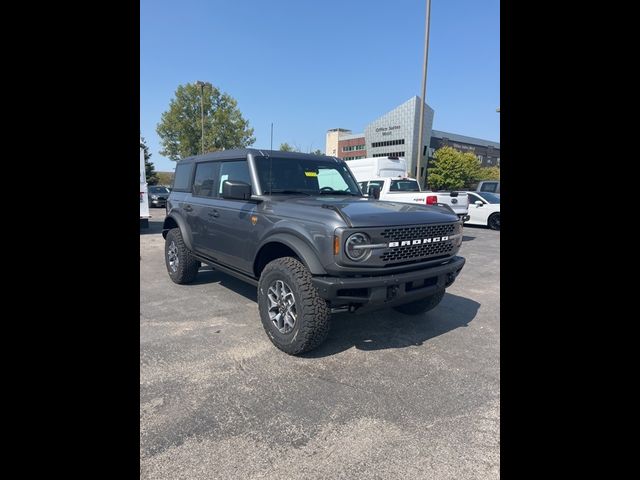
[407, 190]
[391, 176]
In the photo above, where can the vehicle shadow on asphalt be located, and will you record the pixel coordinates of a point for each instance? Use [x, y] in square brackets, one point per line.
[208, 275]
[466, 238]
[155, 227]
[387, 328]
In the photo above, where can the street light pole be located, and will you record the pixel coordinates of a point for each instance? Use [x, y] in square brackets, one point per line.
[201, 85]
[423, 100]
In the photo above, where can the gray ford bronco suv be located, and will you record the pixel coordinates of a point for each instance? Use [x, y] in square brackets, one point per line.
[298, 227]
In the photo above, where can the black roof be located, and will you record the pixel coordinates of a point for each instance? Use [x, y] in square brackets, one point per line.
[242, 153]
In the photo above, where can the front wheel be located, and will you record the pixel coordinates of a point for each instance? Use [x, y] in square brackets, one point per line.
[181, 265]
[421, 306]
[494, 221]
[294, 316]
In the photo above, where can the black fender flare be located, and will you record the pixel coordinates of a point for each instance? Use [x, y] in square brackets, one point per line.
[182, 225]
[302, 249]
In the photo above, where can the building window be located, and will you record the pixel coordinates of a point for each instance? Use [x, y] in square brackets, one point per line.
[353, 148]
[387, 143]
[389, 154]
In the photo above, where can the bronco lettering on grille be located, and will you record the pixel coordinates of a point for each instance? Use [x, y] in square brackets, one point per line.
[418, 241]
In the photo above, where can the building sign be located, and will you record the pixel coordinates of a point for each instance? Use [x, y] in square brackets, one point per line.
[387, 130]
[464, 147]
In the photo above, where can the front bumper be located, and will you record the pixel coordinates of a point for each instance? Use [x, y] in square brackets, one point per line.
[372, 293]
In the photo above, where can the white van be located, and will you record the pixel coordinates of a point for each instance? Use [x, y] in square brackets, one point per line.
[144, 199]
[378, 167]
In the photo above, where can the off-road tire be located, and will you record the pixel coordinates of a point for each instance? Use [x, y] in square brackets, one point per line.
[421, 306]
[494, 221]
[312, 323]
[187, 267]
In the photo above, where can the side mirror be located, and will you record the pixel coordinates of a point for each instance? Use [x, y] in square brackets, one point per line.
[236, 190]
[374, 191]
[479, 203]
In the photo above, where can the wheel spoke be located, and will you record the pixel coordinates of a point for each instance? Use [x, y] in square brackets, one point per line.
[289, 319]
[281, 307]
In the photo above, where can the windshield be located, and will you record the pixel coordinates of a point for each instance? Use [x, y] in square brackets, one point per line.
[404, 186]
[158, 190]
[490, 197]
[300, 175]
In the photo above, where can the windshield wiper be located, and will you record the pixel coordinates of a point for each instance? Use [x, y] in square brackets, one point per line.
[291, 192]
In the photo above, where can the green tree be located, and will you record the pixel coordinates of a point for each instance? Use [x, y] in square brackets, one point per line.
[318, 152]
[453, 170]
[150, 172]
[490, 173]
[180, 127]
[285, 147]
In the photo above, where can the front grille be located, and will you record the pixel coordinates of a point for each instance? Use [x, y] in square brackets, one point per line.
[410, 252]
[423, 251]
[418, 231]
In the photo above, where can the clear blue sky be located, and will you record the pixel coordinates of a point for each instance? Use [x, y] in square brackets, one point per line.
[308, 66]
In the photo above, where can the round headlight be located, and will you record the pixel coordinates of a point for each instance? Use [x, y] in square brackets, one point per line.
[351, 247]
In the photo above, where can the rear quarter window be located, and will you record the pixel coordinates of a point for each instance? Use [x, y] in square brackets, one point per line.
[182, 178]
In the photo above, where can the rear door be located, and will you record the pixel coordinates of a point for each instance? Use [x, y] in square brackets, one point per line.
[404, 190]
[204, 232]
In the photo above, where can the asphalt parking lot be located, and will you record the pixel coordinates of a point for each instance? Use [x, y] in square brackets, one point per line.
[386, 396]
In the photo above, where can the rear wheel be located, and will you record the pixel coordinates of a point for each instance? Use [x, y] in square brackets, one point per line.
[181, 265]
[294, 316]
[494, 221]
[421, 306]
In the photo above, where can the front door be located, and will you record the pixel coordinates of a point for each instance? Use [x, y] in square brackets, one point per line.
[231, 220]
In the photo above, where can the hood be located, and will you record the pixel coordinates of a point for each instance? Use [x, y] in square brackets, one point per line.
[362, 212]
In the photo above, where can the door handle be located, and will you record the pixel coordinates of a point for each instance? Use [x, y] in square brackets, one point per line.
[214, 213]
[188, 208]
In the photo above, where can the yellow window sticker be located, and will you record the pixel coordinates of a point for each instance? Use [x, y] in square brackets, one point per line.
[311, 174]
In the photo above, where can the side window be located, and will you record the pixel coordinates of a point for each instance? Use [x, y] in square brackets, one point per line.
[473, 198]
[488, 187]
[377, 183]
[182, 177]
[203, 183]
[238, 171]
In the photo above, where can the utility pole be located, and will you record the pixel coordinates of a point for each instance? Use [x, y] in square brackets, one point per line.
[271, 135]
[423, 99]
[202, 85]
